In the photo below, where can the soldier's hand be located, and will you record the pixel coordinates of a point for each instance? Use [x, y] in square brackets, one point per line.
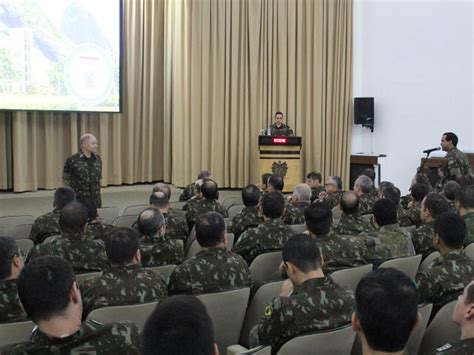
[286, 288]
[322, 195]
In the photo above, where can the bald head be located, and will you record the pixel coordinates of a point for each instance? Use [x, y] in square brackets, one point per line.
[302, 192]
[161, 186]
[150, 222]
[159, 200]
[349, 202]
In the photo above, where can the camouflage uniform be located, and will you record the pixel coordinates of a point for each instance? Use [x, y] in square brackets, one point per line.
[269, 236]
[202, 206]
[98, 230]
[45, 226]
[192, 202]
[445, 278]
[410, 216]
[315, 192]
[187, 193]
[248, 217]
[469, 219]
[84, 175]
[317, 304]
[160, 251]
[460, 347]
[366, 204]
[10, 306]
[122, 285]
[295, 213]
[93, 338]
[455, 163]
[84, 254]
[405, 200]
[211, 270]
[176, 225]
[333, 199]
[352, 225]
[422, 238]
[283, 130]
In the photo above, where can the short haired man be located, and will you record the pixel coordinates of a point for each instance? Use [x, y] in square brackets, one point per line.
[314, 180]
[465, 207]
[83, 170]
[309, 301]
[381, 297]
[208, 203]
[190, 190]
[455, 163]
[179, 325]
[47, 225]
[249, 217]
[363, 188]
[268, 236]
[388, 241]
[278, 128]
[350, 222]
[411, 215]
[449, 191]
[126, 282]
[50, 295]
[156, 249]
[214, 268]
[83, 253]
[95, 228]
[333, 191]
[419, 178]
[432, 205]
[442, 281]
[298, 202]
[275, 183]
[11, 264]
[265, 177]
[176, 225]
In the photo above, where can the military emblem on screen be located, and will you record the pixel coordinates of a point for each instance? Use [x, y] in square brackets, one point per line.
[280, 168]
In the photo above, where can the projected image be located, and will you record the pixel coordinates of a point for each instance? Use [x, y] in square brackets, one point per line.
[60, 55]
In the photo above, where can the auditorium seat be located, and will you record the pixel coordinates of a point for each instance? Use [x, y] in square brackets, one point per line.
[163, 271]
[25, 246]
[231, 201]
[177, 204]
[265, 267]
[234, 210]
[409, 265]
[350, 277]
[125, 221]
[416, 336]
[428, 260]
[297, 228]
[134, 210]
[18, 332]
[22, 231]
[90, 275]
[9, 223]
[469, 250]
[108, 214]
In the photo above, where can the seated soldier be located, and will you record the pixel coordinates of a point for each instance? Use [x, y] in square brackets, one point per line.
[442, 281]
[463, 315]
[268, 236]
[214, 268]
[333, 191]
[363, 188]
[11, 263]
[190, 190]
[249, 216]
[392, 193]
[298, 202]
[419, 178]
[95, 228]
[208, 203]
[432, 205]
[308, 300]
[314, 180]
[49, 293]
[47, 225]
[126, 282]
[155, 248]
[388, 241]
[411, 215]
[386, 311]
[193, 201]
[449, 192]
[83, 253]
[350, 222]
[264, 184]
[370, 173]
[465, 207]
[179, 325]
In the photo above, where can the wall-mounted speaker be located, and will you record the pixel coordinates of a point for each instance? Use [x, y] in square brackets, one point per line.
[364, 111]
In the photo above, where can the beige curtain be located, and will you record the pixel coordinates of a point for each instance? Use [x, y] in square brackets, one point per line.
[230, 65]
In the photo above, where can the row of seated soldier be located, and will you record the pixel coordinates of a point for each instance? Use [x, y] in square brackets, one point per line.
[342, 229]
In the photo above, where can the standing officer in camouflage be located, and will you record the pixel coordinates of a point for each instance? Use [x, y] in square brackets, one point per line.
[363, 188]
[11, 264]
[249, 216]
[455, 163]
[50, 295]
[350, 223]
[279, 128]
[214, 268]
[465, 207]
[83, 170]
[308, 300]
[298, 202]
[447, 275]
[126, 282]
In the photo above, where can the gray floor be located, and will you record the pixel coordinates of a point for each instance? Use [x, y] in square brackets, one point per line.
[40, 202]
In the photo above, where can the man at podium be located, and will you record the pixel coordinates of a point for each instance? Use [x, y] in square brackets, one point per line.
[279, 128]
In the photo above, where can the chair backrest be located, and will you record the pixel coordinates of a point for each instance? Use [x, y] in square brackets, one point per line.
[351, 277]
[125, 221]
[90, 275]
[416, 336]
[297, 228]
[177, 204]
[337, 213]
[230, 240]
[9, 223]
[134, 210]
[108, 214]
[231, 201]
[441, 330]
[264, 295]
[25, 245]
[137, 313]
[408, 265]
[12, 333]
[234, 210]
[22, 231]
[265, 266]
[469, 250]
[334, 341]
[192, 250]
[191, 238]
[51, 238]
[163, 271]
[427, 262]
[227, 311]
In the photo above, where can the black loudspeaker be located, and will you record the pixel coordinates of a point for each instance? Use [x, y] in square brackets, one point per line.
[364, 111]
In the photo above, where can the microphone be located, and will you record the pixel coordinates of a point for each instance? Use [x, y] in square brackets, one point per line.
[428, 151]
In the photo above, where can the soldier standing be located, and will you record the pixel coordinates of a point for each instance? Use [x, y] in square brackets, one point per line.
[279, 128]
[83, 170]
[455, 163]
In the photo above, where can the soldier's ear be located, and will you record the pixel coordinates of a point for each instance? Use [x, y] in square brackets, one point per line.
[138, 255]
[355, 323]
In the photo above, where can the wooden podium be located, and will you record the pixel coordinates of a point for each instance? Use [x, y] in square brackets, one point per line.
[281, 155]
